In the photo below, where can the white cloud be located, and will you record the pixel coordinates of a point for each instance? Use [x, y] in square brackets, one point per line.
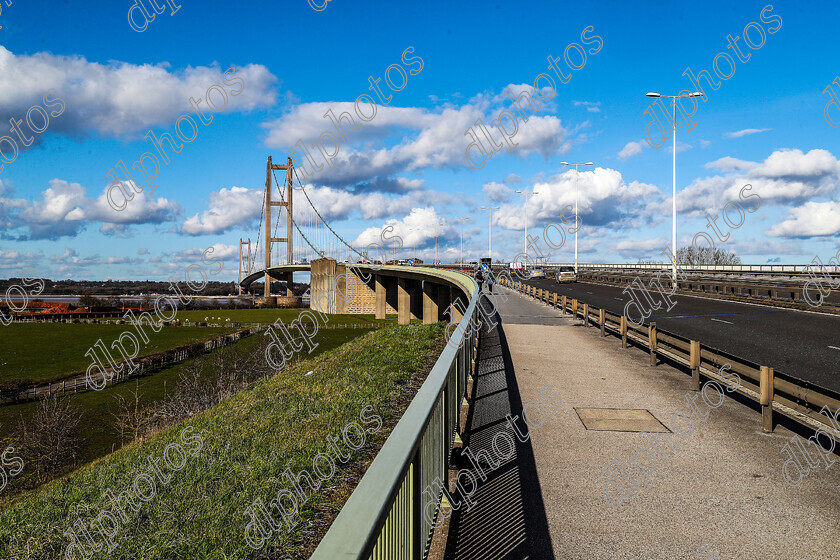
[731, 164]
[591, 106]
[120, 99]
[241, 207]
[812, 219]
[401, 139]
[604, 198]
[64, 210]
[795, 164]
[746, 132]
[630, 149]
[497, 192]
[417, 228]
[785, 176]
[237, 206]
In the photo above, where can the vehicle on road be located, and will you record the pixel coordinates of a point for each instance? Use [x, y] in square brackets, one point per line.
[537, 273]
[566, 274]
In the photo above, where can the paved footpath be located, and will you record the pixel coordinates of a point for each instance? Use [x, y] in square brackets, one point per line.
[716, 492]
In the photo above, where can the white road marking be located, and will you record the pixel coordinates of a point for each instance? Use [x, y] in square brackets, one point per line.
[834, 347]
[618, 298]
[589, 293]
[722, 321]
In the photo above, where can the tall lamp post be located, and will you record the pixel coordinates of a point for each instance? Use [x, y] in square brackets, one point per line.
[436, 240]
[462, 220]
[674, 176]
[527, 194]
[577, 222]
[490, 234]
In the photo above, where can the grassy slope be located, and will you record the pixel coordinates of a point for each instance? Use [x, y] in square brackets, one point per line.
[249, 441]
[52, 351]
[100, 433]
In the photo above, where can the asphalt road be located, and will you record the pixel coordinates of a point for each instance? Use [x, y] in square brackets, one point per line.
[802, 344]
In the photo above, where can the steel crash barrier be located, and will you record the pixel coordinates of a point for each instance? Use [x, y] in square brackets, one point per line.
[384, 517]
[774, 391]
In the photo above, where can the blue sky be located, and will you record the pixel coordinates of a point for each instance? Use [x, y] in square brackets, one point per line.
[764, 126]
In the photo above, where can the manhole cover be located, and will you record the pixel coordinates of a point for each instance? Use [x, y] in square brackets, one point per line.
[619, 420]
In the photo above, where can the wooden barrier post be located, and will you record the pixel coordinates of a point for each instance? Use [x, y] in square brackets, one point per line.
[585, 314]
[574, 309]
[694, 362]
[652, 343]
[563, 304]
[602, 320]
[767, 394]
[623, 329]
[555, 300]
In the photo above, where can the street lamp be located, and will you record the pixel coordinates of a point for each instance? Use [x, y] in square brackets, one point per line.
[577, 223]
[436, 240]
[526, 221]
[461, 254]
[674, 198]
[490, 234]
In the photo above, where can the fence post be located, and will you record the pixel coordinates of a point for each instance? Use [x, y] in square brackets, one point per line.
[767, 394]
[602, 319]
[563, 304]
[585, 314]
[623, 329]
[694, 362]
[574, 309]
[555, 300]
[652, 343]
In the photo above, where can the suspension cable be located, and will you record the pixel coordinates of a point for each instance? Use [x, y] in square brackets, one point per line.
[322, 218]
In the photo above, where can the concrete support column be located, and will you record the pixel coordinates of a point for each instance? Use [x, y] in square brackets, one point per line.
[444, 300]
[380, 296]
[455, 314]
[403, 302]
[430, 303]
[415, 292]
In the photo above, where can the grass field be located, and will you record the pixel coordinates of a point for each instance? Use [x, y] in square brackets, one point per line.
[98, 427]
[42, 352]
[269, 316]
[246, 443]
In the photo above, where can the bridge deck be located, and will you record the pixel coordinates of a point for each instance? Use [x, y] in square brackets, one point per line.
[717, 493]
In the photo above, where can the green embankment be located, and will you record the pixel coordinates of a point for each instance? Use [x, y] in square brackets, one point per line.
[98, 427]
[248, 441]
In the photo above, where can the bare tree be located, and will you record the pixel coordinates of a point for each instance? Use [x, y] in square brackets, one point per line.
[132, 418]
[49, 439]
[706, 255]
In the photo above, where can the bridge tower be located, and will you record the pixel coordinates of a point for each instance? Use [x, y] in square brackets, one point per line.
[285, 200]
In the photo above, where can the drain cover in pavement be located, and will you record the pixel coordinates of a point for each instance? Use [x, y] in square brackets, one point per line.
[619, 420]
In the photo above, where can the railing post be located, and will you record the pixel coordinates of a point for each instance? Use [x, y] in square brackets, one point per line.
[767, 395]
[563, 304]
[602, 320]
[574, 309]
[623, 329]
[694, 363]
[555, 300]
[585, 314]
[652, 343]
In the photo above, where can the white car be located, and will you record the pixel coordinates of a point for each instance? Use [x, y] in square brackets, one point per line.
[537, 273]
[566, 274]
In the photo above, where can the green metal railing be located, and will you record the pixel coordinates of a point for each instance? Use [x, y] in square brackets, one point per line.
[383, 519]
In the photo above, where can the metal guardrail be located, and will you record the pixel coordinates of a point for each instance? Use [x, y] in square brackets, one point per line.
[795, 398]
[383, 518]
